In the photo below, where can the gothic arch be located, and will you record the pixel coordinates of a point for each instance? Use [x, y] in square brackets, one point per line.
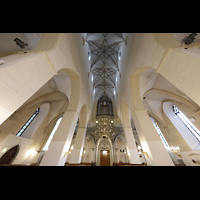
[98, 149]
[172, 96]
[10, 155]
[119, 144]
[75, 87]
[88, 149]
[46, 98]
[136, 86]
[47, 42]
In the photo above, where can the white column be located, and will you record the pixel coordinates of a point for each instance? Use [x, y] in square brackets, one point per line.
[56, 154]
[78, 146]
[150, 141]
[131, 147]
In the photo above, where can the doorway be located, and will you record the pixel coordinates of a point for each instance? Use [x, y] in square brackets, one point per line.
[105, 158]
[9, 156]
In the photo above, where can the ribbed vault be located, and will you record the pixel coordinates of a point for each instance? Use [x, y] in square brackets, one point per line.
[104, 49]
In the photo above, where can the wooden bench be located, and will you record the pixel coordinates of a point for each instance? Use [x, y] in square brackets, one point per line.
[127, 164]
[78, 164]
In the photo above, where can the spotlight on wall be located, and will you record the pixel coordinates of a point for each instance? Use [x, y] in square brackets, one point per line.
[139, 150]
[20, 44]
[4, 150]
[146, 154]
[173, 149]
[189, 39]
[69, 151]
[195, 161]
[31, 152]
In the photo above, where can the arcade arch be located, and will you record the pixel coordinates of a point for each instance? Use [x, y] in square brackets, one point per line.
[119, 144]
[104, 144]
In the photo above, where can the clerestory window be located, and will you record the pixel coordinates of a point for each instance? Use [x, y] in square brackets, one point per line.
[187, 122]
[52, 134]
[160, 133]
[21, 131]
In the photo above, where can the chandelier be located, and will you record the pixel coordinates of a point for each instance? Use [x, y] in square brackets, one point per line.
[104, 126]
[173, 149]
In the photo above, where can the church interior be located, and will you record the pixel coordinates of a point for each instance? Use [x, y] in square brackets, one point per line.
[100, 99]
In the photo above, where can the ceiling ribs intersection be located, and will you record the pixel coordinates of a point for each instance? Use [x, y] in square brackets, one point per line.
[104, 49]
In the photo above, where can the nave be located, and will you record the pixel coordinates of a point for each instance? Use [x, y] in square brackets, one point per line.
[99, 99]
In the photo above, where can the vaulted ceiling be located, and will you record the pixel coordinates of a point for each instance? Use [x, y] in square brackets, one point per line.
[104, 48]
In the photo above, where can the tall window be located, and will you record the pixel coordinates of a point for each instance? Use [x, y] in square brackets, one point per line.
[160, 133]
[187, 122]
[52, 134]
[21, 131]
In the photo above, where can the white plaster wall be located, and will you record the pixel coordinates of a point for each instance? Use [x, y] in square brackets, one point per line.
[21, 76]
[7, 43]
[119, 156]
[89, 154]
[32, 39]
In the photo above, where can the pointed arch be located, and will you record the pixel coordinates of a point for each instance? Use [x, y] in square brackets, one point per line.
[75, 87]
[135, 87]
[10, 155]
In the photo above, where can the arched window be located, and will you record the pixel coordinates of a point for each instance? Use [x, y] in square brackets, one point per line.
[21, 131]
[52, 134]
[160, 133]
[187, 122]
